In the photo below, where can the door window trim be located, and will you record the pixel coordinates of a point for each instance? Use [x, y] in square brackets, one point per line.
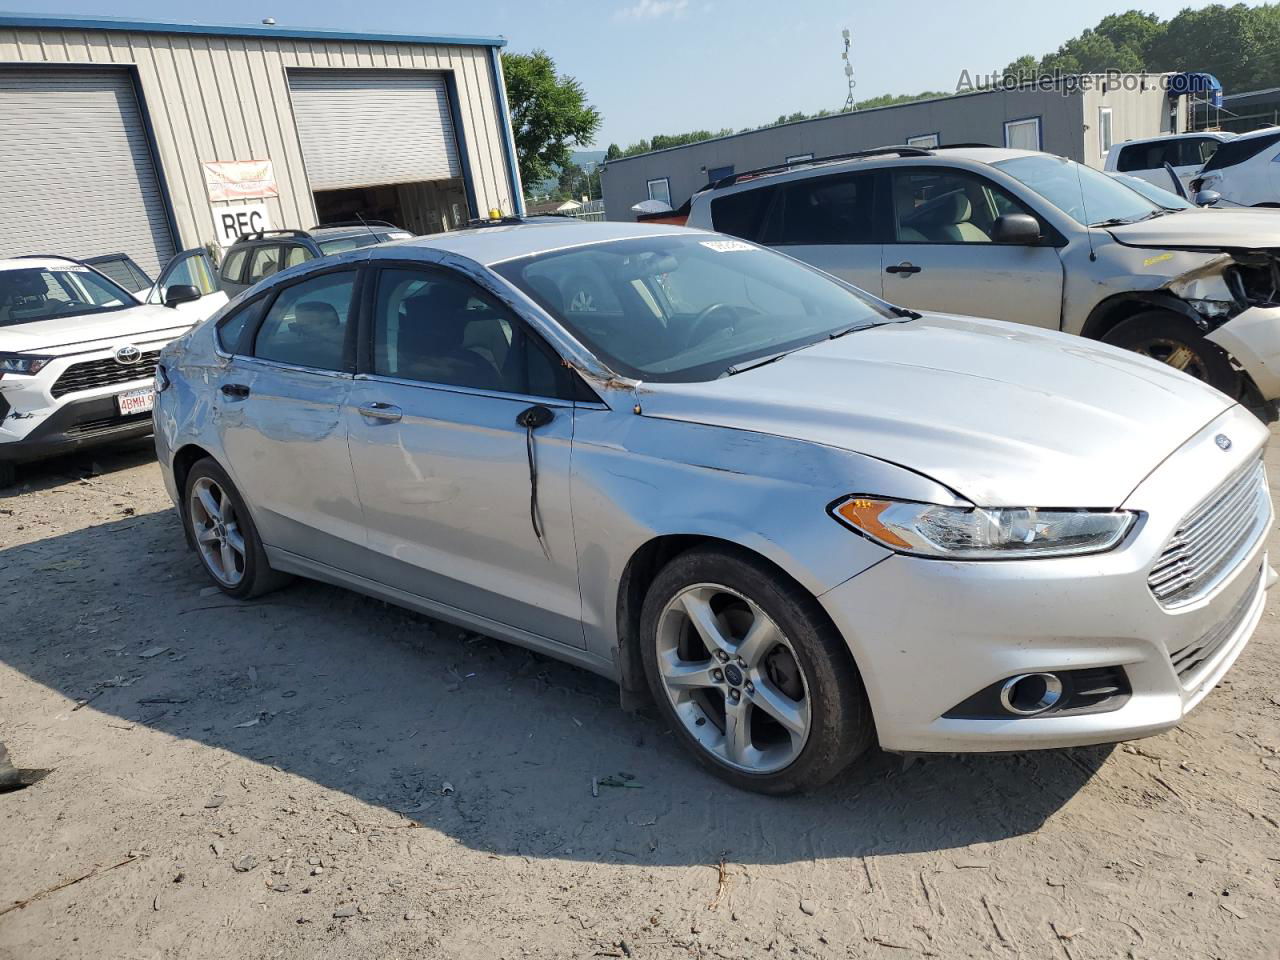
[364, 370]
[249, 337]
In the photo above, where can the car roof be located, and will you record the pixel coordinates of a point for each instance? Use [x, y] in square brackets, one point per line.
[38, 262]
[1261, 132]
[489, 245]
[1213, 134]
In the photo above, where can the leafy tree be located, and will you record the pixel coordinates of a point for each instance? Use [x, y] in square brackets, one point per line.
[574, 183]
[1024, 68]
[549, 114]
[613, 153]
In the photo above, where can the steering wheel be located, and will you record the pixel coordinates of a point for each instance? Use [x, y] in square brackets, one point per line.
[711, 319]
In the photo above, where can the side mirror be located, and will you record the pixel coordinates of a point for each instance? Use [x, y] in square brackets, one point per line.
[180, 293]
[1207, 198]
[1016, 228]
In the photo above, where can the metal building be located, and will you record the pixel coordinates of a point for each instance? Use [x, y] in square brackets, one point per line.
[1081, 124]
[151, 137]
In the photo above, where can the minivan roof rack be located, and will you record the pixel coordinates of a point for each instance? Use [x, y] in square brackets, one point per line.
[900, 149]
[355, 223]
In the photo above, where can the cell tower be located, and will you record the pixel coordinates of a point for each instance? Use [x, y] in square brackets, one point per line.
[848, 70]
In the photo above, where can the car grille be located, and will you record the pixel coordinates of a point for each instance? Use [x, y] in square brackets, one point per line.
[1192, 657]
[1208, 540]
[89, 374]
[88, 427]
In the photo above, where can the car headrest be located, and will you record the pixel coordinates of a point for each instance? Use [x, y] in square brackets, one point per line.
[16, 284]
[317, 315]
[948, 209]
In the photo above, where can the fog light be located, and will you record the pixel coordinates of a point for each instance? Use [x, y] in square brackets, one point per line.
[1030, 693]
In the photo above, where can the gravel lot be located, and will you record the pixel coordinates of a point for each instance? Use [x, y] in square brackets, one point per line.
[317, 774]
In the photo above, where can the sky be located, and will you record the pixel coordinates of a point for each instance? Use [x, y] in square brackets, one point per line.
[669, 66]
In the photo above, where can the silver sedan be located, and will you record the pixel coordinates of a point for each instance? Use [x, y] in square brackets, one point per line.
[799, 519]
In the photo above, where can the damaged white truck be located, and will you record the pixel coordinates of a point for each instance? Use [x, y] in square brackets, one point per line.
[1032, 238]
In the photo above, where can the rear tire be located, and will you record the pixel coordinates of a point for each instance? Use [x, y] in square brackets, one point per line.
[772, 702]
[1175, 340]
[221, 531]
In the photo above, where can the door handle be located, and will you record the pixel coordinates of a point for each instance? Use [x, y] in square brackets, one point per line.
[235, 391]
[904, 267]
[387, 412]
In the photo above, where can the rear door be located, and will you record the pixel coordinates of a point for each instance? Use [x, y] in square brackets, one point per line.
[941, 256]
[445, 472]
[279, 412]
[190, 268]
[832, 222]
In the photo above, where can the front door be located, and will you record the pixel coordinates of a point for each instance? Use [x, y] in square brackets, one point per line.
[442, 466]
[942, 257]
[279, 410]
[191, 268]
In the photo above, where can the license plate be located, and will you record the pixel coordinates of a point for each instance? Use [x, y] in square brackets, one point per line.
[136, 401]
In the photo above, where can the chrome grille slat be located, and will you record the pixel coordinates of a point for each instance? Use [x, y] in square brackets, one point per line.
[1207, 540]
[104, 372]
[1191, 659]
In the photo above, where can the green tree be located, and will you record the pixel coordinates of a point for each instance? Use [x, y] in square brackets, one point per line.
[549, 114]
[613, 153]
[1024, 68]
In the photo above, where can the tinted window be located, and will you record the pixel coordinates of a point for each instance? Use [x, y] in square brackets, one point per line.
[834, 209]
[1238, 151]
[742, 214]
[232, 327]
[122, 270]
[438, 327]
[263, 262]
[307, 323]
[1141, 156]
[1195, 151]
[946, 206]
[233, 266]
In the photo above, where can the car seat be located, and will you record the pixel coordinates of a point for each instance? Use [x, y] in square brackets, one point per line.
[432, 340]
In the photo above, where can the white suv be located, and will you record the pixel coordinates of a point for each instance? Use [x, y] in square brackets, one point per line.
[1245, 172]
[78, 352]
[1149, 159]
[1031, 238]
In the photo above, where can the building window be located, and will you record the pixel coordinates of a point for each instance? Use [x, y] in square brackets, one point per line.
[719, 173]
[660, 189]
[1023, 134]
[1104, 130]
[799, 158]
[927, 141]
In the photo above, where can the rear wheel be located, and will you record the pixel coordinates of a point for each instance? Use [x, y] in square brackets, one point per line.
[1175, 340]
[222, 532]
[751, 674]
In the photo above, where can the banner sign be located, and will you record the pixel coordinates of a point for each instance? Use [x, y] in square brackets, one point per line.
[240, 180]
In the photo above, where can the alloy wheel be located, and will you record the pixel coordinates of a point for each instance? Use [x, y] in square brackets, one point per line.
[733, 678]
[217, 531]
[1176, 354]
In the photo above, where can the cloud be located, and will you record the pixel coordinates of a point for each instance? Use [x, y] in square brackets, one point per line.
[653, 10]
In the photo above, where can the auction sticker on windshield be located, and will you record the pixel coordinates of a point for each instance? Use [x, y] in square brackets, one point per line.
[136, 401]
[726, 246]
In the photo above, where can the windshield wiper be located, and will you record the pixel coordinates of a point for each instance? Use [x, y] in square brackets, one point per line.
[760, 361]
[1124, 221]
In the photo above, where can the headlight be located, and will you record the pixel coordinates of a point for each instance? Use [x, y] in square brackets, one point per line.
[972, 533]
[24, 363]
[1212, 309]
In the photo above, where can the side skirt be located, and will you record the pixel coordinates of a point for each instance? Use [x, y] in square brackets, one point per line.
[287, 562]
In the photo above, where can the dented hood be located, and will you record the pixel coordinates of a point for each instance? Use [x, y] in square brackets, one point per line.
[1002, 414]
[1204, 229]
[141, 324]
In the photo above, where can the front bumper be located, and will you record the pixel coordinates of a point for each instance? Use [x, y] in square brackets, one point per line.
[82, 423]
[1252, 337]
[928, 634]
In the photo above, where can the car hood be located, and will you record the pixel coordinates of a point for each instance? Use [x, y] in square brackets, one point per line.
[1002, 414]
[93, 331]
[1204, 229]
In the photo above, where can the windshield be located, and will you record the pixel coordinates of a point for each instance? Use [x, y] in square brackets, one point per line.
[343, 244]
[1082, 193]
[32, 294]
[1158, 195]
[687, 308]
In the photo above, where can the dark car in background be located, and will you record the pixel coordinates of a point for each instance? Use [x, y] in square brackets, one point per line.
[267, 252]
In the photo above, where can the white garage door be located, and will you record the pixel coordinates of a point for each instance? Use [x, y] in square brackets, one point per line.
[364, 128]
[76, 173]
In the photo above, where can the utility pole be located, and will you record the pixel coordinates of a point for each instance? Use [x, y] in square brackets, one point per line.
[848, 71]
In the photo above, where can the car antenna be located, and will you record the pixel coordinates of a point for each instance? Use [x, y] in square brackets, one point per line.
[360, 217]
[1084, 208]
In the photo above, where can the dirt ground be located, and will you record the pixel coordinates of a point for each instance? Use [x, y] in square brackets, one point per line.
[321, 775]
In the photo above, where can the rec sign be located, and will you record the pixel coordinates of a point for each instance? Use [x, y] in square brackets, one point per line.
[230, 222]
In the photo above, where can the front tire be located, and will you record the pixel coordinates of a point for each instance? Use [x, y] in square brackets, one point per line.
[751, 674]
[1175, 340]
[220, 529]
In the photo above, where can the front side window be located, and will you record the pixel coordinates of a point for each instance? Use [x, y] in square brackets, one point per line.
[1023, 134]
[688, 308]
[1082, 193]
[189, 270]
[818, 210]
[660, 189]
[438, 327]
[307, 323]
[28, 295]
[937, 205]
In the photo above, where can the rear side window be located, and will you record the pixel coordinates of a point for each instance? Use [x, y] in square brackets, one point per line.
[233, 266]
[264, 262]
[742, 214]
[231, 329]
[307, 323]
[820, 210]
[294, 254]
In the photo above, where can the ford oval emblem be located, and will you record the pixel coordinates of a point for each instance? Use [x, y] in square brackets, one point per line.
[128, 354]
[1223, 441]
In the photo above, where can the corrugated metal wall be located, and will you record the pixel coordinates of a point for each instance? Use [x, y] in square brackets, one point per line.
[220, 99]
